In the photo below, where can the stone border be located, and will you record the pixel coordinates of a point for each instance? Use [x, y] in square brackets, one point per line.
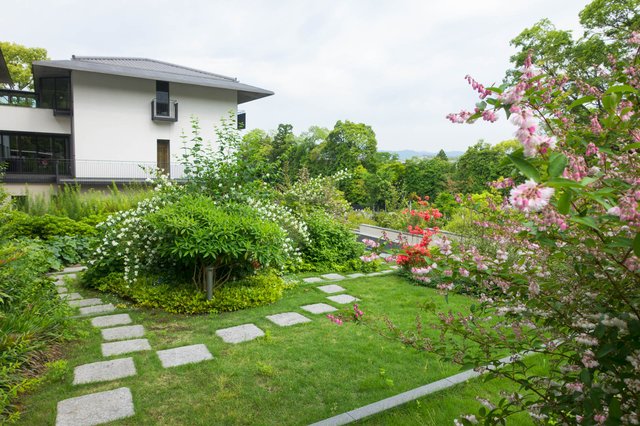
[404, 397]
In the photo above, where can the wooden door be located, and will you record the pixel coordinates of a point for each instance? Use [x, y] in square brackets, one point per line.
[164, 156]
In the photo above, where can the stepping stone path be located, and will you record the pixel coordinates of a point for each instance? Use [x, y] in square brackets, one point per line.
[356, 275]
[332, 288]
[104, 371]
[318, 308]
[124, 332]
[240, 333]
[184, 355]
[98, 309]
[342, 299]
[85, 302]
[313, 280]
[111, 320]
[70, 296]
[95, 408]
[125, 347]
[288, 318]
[61, 289]
[333, 277]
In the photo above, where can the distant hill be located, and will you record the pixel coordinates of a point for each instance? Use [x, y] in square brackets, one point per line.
[405, 154]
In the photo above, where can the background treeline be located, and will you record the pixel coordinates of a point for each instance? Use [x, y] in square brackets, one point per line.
[378, 180]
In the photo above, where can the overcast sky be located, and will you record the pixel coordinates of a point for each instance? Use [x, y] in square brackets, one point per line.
[397, 66]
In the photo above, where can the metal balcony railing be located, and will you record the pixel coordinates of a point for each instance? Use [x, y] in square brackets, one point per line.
[162, 111]
[98, 171]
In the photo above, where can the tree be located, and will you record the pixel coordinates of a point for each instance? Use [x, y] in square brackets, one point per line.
[349, 145]
[442, 155]
[426, 176]
[19, 59]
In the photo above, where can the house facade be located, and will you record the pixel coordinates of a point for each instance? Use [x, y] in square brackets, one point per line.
[98, 120]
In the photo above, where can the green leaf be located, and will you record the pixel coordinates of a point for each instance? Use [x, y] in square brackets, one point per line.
[636, 244]
[564, 202]
[557, 163]
[587, 221]
[632, 146]
[581, 101]
[563, 183]
[620, 89]
[525, 167]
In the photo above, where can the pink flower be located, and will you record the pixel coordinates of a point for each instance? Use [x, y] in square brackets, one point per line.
[575, 386]
[463, 272]
[588, 360]
[530, 197]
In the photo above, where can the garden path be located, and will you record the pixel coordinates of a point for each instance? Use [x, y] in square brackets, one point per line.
[121, 337]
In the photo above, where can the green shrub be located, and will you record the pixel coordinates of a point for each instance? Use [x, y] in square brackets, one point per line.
[32, 317]
[17, 224]
[152, 292]
[70, 250]
[332, 244]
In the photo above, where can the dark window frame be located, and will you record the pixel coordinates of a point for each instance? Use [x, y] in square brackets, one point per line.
[54, 103]
[163, 99]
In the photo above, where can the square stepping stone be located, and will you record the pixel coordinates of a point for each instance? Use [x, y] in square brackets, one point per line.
[333, 277]
[374, 274]
[356, 275]
[332, 288]
[61, 289]
[111, 320]
[313, 280]
[104, 371]
[59, 283]
[240, 333]
[70, 296]
[184, 355]
[287, 318]
[125, 347]
[95, 408]
[98, 309]
[342, 298]
[85, 302]
[318, 308]
[70, 269]
[388, 271]
[125, 332]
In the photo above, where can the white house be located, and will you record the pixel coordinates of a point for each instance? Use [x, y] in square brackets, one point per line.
[96, 120]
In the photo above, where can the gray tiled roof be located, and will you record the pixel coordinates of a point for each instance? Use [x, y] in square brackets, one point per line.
[156, 70]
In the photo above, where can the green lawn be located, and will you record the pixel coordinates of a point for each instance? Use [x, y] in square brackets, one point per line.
[294, 375]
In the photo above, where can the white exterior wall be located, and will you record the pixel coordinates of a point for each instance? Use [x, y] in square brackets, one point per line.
[112, 121]
[32, 120]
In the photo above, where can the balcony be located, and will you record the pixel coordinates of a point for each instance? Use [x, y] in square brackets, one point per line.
[18, 98]
[163, 111]
[32, 170]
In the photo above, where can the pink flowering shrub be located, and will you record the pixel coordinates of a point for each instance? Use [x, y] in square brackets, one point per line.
[559, 271]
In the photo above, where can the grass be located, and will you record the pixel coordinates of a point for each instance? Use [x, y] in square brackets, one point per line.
[294, 375]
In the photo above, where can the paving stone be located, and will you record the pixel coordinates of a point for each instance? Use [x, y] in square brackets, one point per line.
[70, 296]
[184, 355]
[356, 275]
[394, 267]
[333, 277]
[332, 288]
[388, 271]
[240, 333]
[59, 283]
[111, 320]
[342, 299]
[286, 319]
[98, 309]
[103, 371]
[313, 280]
[95, 408]
[374, 274]
[61, 289]
[125, 347]
[84, 302]
[318, 308]
[126, 332]
[70, 269]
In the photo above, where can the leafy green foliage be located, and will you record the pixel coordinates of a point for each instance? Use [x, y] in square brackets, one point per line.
[19, 59]
[17, 224]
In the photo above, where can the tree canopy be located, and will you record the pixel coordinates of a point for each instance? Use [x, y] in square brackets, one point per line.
[19, 59]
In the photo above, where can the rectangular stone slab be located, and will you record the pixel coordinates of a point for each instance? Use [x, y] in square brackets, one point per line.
[333, 277]
[313, 280]
[71, 269]
[184, 355]
[70, 296]
[286, 319]
[342, 298]
[240, 333]
[125, 347]
[104, 371]
[95, 408]
[111, 320]
[331, 288]
[356, 275]
[61, 289]
[319, 308]
[85, 302]
[125, 332]
[98, 309]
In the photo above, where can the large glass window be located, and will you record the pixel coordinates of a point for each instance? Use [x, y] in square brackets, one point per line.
[35, 153]
[55, 93]
[162, 98]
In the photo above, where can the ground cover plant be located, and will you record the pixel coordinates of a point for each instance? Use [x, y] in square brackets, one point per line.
[293, 375]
